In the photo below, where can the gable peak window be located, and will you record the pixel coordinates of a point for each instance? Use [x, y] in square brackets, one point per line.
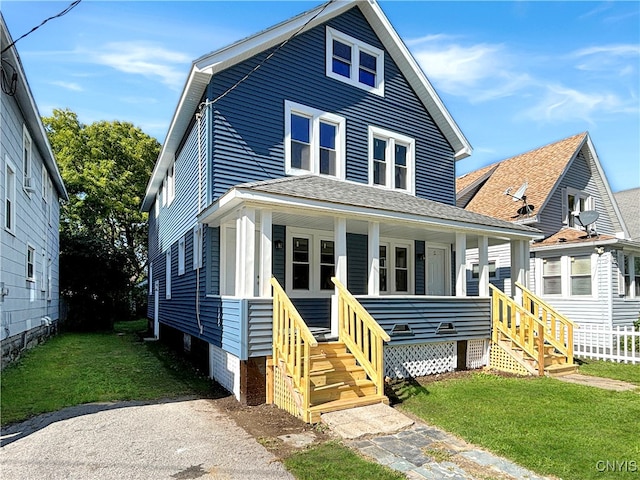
[354, 62]
[314, 141]
[574, 203]
[391, 160]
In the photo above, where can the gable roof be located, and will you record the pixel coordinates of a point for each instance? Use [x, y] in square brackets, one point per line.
[629, 204]
[541, 168]
[208, 65]
[29, 109]
[357, 198]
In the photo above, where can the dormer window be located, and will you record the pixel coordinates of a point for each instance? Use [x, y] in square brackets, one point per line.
[314, 141]
[391, 160]
[354, 62]
[575, 202]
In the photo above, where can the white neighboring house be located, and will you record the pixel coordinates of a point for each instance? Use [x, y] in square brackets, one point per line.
[31, 188]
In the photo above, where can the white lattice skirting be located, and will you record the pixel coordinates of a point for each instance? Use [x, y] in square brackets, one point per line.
[224, 368]
[477, 353]
[403, 361]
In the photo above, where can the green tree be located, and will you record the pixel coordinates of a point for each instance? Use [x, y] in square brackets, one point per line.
[105, 167]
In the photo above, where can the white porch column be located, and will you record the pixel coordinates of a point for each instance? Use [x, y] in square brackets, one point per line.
[374, 259]
[519, 266]
[245, 252]
[340, 237]
[266, 237]
[483, 277]
[461, 265]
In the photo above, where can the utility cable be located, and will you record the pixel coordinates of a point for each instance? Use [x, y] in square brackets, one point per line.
[58, 15]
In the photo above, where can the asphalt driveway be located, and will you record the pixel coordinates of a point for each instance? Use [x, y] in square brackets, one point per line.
[175, 440]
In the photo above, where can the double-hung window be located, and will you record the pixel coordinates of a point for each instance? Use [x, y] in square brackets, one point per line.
[181, 255]
[168, 274]
[354, 62]
[27, 180]
[391, 160]
[312, 262]
[314, 141]
[10, 196]
[575, 202]
[395, 268]
[552, 276]
[31, 264]
[475, 271]
[581, 275]
[631, 265]
[171, 183]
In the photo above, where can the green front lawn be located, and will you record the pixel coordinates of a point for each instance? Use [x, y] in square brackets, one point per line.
[75, 368]
[545, 425]
[627, 372]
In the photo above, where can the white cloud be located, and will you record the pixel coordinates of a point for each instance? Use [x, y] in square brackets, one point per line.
[74, 87]
[614, 59]
[147, 59]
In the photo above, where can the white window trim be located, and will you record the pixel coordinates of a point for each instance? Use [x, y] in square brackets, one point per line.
[565, 276]
[171, 183]
[622, 282]
[315, 237]
[181, 255]
[391, 138]
[356, 46]
[150, 278]
[49, 279]
[470, 266]
[168, 274]
[315, 116]
[588, 205]
[391, 244]
[27, 173]
[33, 261]
[157, 206]
[45, 184]
[43, 273]
[10, 193]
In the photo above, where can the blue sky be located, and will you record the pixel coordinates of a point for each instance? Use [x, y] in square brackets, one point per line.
[514, 75]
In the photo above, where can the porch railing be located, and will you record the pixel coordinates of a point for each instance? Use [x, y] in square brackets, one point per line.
[362, 335]
[518, 325]
[559, 329]
[292, 342]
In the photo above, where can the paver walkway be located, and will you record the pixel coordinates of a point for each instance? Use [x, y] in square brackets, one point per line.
[418, 450]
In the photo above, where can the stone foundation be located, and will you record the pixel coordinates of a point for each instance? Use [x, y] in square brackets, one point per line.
[14, 346]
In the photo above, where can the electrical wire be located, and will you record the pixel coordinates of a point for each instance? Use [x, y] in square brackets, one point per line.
[58, 15]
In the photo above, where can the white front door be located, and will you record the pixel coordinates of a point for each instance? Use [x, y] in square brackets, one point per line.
[156, 307]
[436, 271]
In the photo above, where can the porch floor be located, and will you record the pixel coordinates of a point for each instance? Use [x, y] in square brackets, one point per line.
[322, 334]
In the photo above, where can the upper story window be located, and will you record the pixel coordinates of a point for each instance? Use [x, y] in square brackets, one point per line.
[314, 141]
[10, 197]
[181, 255]
[575, 202]
[27, 179]
[354, 62]
[391, 160]
[171, 184]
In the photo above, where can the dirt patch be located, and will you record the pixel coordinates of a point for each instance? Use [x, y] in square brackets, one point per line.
[267, 422]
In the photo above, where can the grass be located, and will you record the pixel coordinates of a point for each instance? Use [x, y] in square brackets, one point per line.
[547, 426]
[75, 368]
[627, 372]
[333, 461]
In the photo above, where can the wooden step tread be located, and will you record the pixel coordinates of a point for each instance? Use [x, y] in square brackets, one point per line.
[348, 403]
[337, 367]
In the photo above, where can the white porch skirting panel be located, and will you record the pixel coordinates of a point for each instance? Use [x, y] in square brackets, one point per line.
[418, 360]
[224, 368]
[477, 353]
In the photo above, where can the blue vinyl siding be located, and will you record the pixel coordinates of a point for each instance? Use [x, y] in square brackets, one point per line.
[420, 268]
[357, 256]
[316, 312]
[279, 233]
[248, 123]
[260, 330]
[470, 316]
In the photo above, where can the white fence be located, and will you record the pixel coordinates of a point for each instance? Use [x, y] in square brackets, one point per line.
[618, 344]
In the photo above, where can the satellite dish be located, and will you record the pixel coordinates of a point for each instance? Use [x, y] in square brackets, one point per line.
[526, 209]
[519, 195]
[586, 218]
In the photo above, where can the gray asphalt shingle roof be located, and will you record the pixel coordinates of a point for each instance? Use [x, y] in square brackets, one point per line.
[629, 203]
[339, 192]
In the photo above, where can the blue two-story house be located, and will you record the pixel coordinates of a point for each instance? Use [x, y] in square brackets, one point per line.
[305, 193]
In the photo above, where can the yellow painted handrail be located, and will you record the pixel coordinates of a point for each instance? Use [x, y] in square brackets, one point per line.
[558, 328]
[292, 342]
[362, 335]
[518, 324]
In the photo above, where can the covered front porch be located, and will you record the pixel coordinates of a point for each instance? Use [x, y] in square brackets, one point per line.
[310, 242]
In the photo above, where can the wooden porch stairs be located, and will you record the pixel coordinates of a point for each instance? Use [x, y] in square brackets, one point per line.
[308, 378]
[530, 339]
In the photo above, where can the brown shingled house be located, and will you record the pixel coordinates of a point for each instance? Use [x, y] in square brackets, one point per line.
[586, 267]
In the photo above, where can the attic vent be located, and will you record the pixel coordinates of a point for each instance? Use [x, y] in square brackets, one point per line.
[446, 328]
[401, 329]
